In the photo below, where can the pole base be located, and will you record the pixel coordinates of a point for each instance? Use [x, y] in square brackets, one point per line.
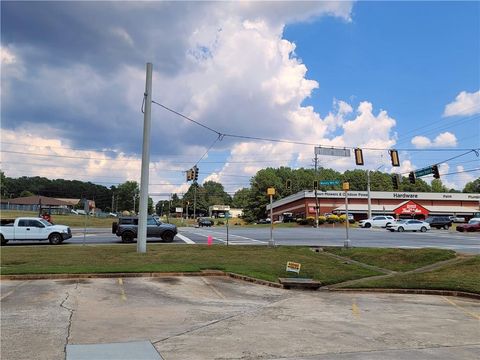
[346, 244]
[271, 243]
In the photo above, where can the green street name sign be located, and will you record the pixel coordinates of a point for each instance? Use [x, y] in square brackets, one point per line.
[424, 171]
[329, 182]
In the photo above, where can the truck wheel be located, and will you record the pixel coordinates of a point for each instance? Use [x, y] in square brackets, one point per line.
[127, 237]
[55, 239]
[445, 226]
[4, 242]
[168, 236]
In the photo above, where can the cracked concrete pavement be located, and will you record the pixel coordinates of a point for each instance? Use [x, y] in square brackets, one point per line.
[224, 318]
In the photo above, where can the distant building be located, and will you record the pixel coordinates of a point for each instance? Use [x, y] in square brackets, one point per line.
[398, 204]
[33, 203]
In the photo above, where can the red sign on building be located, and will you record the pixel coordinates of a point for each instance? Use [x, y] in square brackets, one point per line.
[411, 208]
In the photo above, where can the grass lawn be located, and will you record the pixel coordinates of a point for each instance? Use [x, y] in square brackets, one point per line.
[394, 259]
[464, 276]
[255, 261]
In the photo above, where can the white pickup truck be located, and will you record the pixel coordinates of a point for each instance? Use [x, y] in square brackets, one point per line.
[32, 228]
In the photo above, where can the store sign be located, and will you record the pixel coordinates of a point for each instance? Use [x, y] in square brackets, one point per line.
[411, 208]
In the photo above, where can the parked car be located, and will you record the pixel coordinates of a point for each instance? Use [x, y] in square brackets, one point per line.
[473, 225]
[377, 221]
[205, 222]
[127, 227]
[457, 219]
[409, 225]
[439, 222]
[264, 221]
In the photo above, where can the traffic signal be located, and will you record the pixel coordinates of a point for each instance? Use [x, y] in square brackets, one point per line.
[358, 156]
[411, 177]
[436, 175]
[189, 175]
[195, 173]
[315, 184]
[394, 157]
[288, 184]
[396, 181]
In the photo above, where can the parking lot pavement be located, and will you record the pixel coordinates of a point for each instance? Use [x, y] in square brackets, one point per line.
[223, 318]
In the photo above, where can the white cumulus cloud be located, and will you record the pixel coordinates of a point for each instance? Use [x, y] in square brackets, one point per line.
[446, 139]
[465, 104]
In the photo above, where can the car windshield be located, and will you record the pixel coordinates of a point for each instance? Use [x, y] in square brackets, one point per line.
[474, 221]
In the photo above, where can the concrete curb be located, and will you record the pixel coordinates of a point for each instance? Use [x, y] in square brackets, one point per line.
[412, 291]
[234, 276]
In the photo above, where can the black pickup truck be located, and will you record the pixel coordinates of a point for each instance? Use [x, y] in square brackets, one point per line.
[127, 226]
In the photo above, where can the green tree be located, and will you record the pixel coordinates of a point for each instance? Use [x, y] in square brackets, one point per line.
[240, 198]
[472, 186]
[437, 186]
[125, 196]
[215, 194]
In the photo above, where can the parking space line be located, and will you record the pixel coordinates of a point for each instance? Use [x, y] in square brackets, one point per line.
[451, 302]
[185, 239]
[122, 290]
[220, 295]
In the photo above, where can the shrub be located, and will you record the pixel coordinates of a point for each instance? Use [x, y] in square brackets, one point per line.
[220, 222]
[322, 220]
[333, 219]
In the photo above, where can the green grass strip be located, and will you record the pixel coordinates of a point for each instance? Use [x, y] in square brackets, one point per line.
[394, 259]
[255, 261]
[462, 276]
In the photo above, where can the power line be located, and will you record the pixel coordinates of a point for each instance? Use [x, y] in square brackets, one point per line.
[290, 141]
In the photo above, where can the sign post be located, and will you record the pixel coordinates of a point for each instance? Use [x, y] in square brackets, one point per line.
[271, 192]
[227, 216]
[346, 187]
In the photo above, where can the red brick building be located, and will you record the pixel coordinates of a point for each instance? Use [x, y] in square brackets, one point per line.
[399, 204]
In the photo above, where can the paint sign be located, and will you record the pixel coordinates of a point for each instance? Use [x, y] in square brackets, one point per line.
[293, 267]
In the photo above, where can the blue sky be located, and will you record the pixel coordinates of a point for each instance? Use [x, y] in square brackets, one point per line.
[369, 74]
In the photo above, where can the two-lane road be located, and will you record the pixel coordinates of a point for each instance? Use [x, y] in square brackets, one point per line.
[324, 236]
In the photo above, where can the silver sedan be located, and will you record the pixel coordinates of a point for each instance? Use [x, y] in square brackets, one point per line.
[409, 225]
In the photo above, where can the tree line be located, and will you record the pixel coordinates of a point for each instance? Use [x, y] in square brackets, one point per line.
[252, 199]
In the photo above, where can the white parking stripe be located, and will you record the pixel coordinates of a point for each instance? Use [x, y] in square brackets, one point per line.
[239, 236]
[184, 238]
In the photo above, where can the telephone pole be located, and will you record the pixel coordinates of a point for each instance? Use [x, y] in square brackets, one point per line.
[147, 120]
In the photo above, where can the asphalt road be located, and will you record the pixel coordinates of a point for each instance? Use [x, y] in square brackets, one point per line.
[324, 236]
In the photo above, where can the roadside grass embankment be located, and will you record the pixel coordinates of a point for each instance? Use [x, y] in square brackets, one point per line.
[394, 259]
[258, 262]
[460, 276]
[74, 221]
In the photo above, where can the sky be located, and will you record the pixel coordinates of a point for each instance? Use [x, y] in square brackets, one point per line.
[374, 75]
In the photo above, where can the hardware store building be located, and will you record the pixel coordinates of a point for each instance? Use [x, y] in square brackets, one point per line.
[397, 204]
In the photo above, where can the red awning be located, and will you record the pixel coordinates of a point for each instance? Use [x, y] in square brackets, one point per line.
[411, 208]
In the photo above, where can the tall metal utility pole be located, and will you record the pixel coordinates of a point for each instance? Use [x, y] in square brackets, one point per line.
[316, 195]
[147, 119]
